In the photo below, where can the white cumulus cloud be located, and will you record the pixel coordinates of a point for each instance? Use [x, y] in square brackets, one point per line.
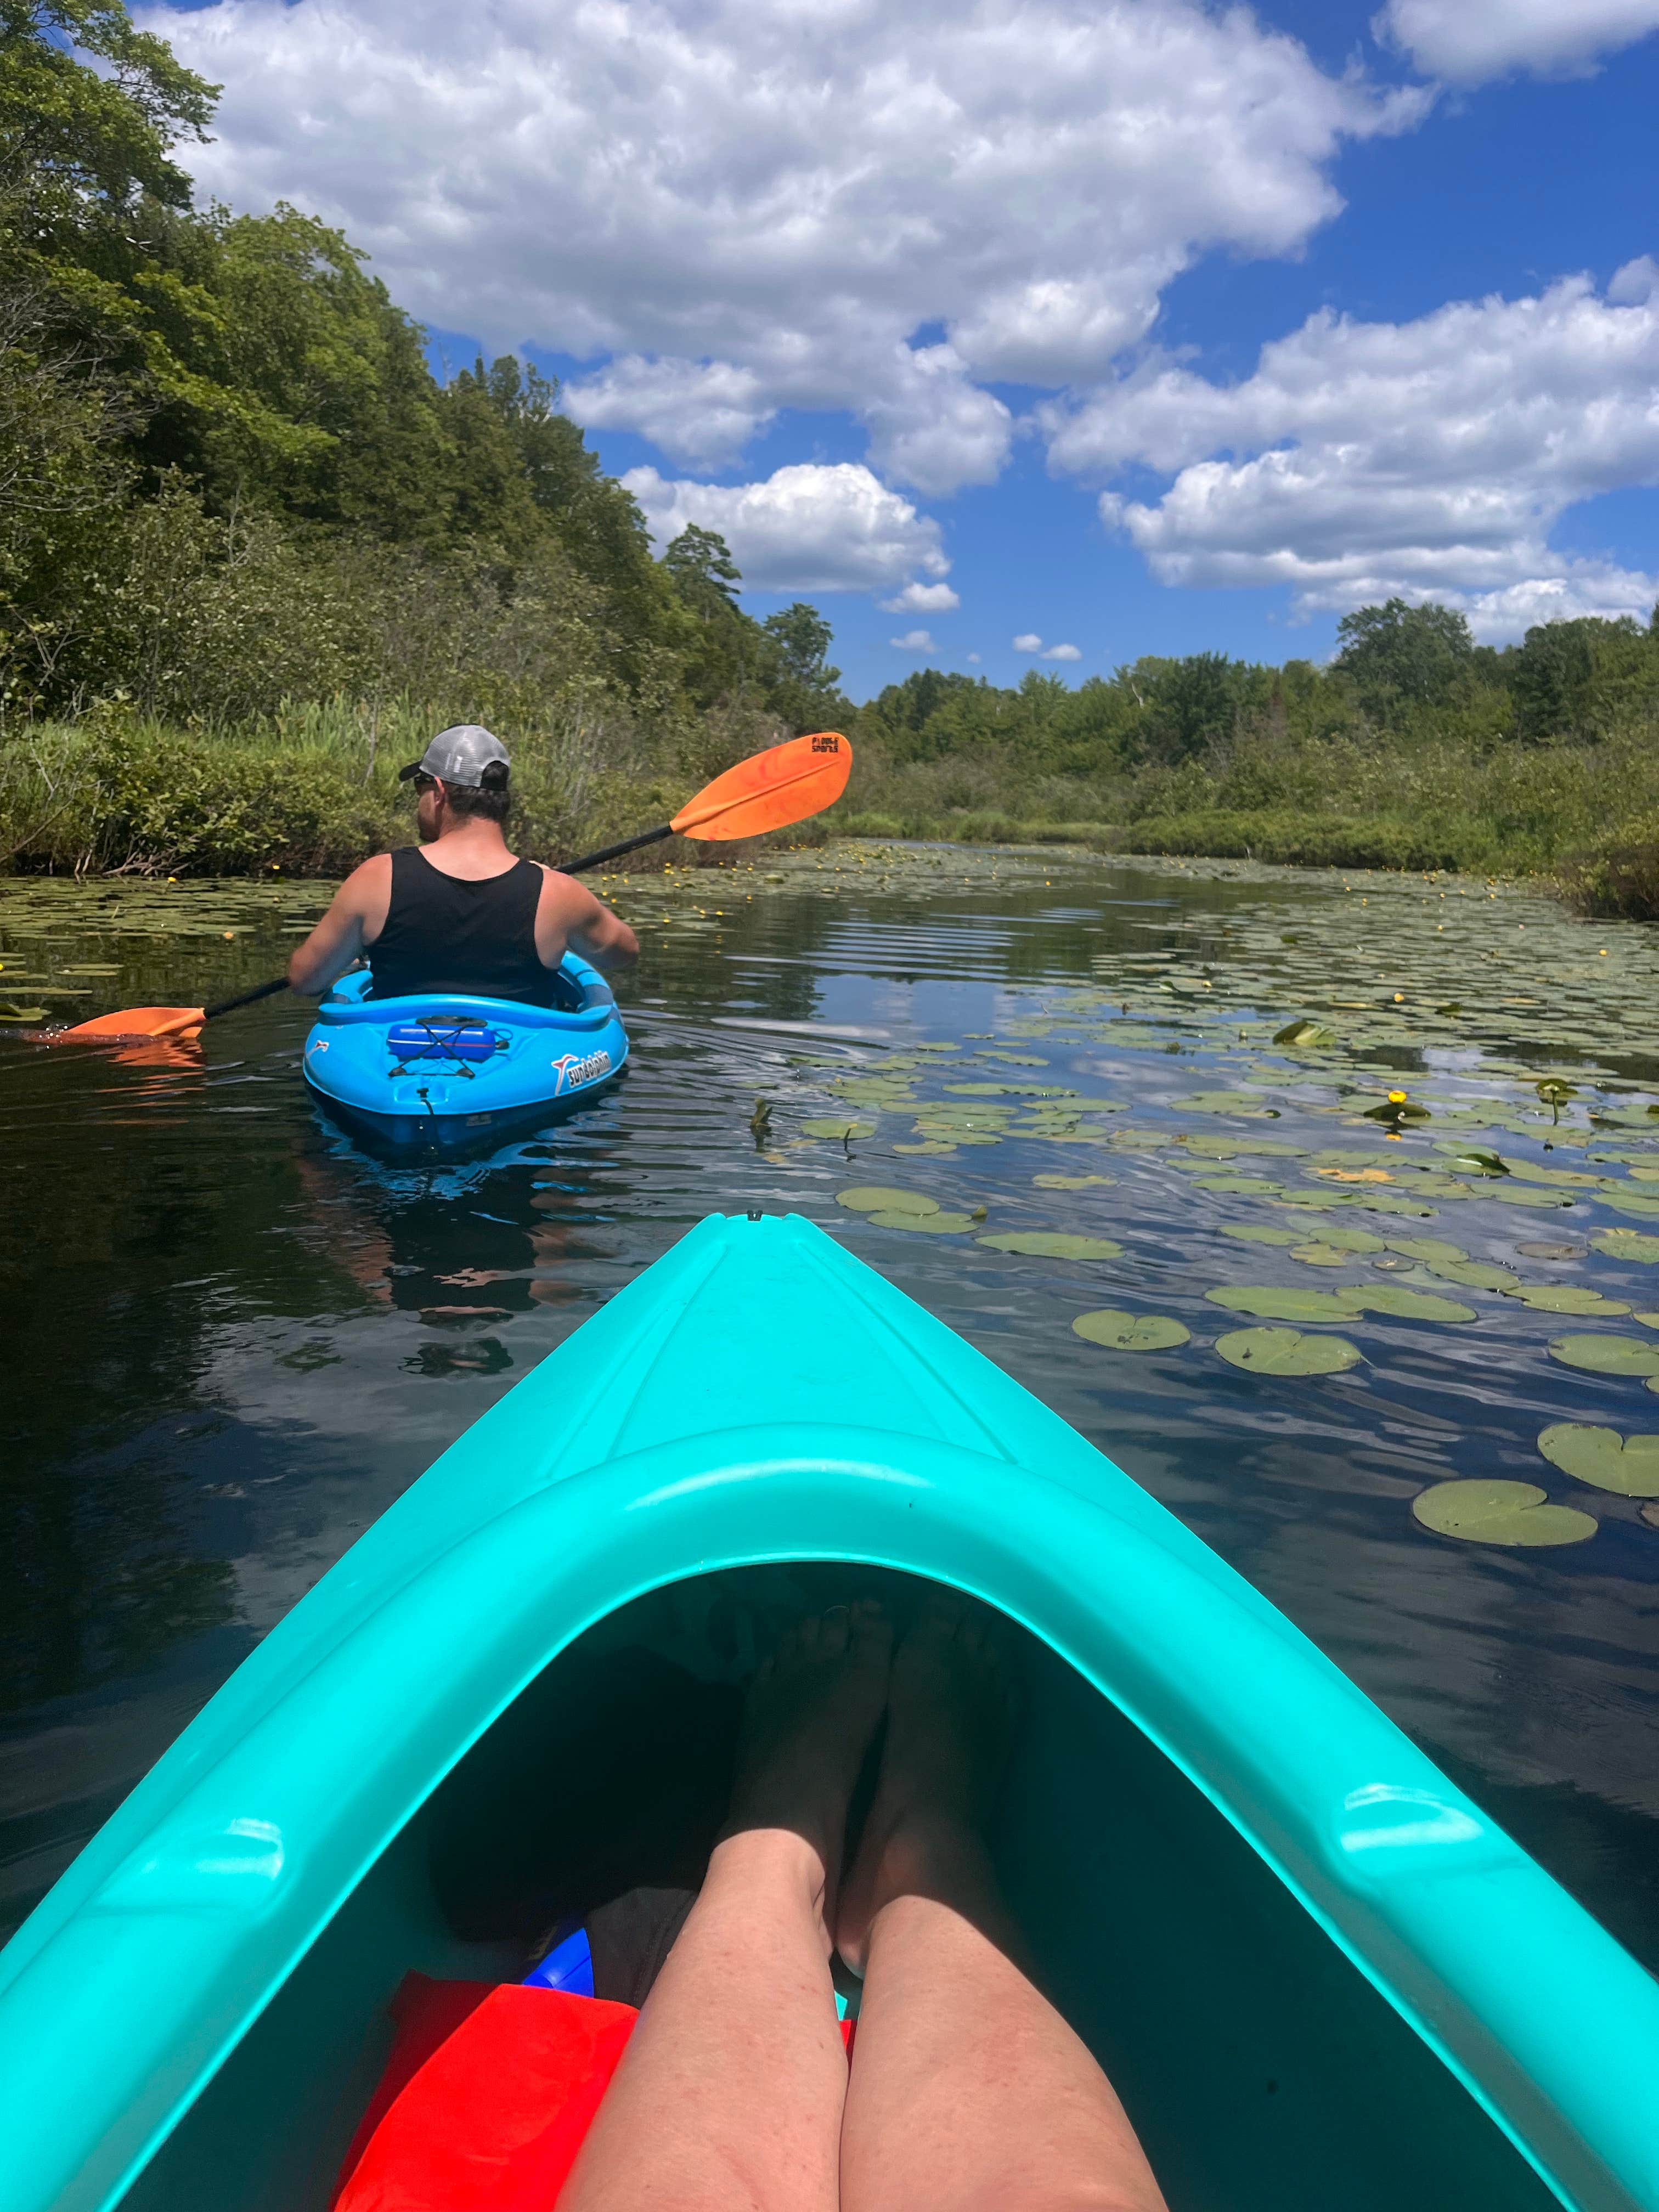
[705, 413]
[1028, 641]
[731, 206]
[813, 526]
[1469, 40]
[914, 641]
[1428, 458]
[923, 600]
[1064, 653]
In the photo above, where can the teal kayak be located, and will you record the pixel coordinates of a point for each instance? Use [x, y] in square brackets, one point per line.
[1321, 1978]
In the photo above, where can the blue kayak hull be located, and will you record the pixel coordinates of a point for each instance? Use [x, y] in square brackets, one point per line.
[446, 1071]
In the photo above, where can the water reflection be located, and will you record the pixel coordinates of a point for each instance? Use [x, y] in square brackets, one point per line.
[235, 1337]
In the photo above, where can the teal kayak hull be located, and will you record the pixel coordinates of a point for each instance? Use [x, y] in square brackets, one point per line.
[407, 1073]
[1323, 1979]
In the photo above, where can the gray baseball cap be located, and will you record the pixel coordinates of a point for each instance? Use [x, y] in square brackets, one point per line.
[459, 755]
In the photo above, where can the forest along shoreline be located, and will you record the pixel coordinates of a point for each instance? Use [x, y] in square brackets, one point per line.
[252, 552]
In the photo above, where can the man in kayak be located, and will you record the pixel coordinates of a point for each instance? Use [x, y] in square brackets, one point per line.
[967, 2091]
[465, 915]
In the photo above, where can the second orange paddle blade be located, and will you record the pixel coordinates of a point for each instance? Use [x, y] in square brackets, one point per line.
[783, 785]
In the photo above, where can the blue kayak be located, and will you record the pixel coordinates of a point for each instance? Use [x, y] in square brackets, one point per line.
[1321, 1979]
[446, 1070]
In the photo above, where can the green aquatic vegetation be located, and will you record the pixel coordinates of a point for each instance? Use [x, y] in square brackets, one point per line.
[10, 1011]
[876, 1198]
[1269, 1303]
[1643, 1204]
[827, 1125]
[1287, 1351]
[1474, 1160]
[926, 1225]
[1007, 1091]
[1128, 1332]
[1475, 1274]
[1053, 1244]
[1140, 1140]
[1322, 1256]
[1566, 1298]
[1304, 1033]
[1227, 1148]
[1559, 1178]
[1403, 1305]
[928, 1149]
[1247, 1104]
[1489, 1512]
[1431, 1251]
[1070, 1182]
[1238, 1186]
[1608, 1355]
[1367, 1197]
[1627, 1466]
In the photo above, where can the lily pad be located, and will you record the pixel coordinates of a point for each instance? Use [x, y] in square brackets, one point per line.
[1226, 1101]
[1053, 1244]
[1489, 1512]
[1271, 1302]
[1429, 1249]
[1627, 1244]
[1475, 1274]
[1322, 1255]
[1286, 1352]
[1607, 1355]
[1070, 1182]
[827, 1126]
[1627, 1466]
[1404, 1305]
[10, 1012]
[1304, 1033]
[876, 1198]
[1128, 1332]
[930, 1149]
[928, 1224]
[1471, 1160]
[1567, 1298]
[1238, 1186]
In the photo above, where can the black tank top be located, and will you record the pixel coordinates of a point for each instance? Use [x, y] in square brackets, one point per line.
[443, 933]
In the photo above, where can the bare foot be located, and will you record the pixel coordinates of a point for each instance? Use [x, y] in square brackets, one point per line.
[811, 1710]
[952, 1709]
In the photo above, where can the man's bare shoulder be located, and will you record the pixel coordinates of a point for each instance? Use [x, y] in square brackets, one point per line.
[558, 889]
[373, 875]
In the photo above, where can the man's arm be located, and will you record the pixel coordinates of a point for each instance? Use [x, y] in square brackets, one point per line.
[337, 939]
[569, 911]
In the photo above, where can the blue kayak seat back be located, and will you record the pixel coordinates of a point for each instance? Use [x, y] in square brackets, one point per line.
[444, 1037]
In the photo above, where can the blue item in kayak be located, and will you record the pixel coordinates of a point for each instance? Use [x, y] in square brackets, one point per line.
[444, 1037]
[567, 1965]
[1322, 1977]
[446, 1071]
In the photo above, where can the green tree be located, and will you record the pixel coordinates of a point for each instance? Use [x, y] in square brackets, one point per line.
[1398, 657]
[801, 686]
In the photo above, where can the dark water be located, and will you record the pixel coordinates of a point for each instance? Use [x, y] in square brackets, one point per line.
[234, 1338]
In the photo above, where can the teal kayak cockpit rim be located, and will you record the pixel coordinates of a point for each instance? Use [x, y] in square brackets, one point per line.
[624, 1464]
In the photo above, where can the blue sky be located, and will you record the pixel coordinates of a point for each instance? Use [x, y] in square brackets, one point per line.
[1137, 327]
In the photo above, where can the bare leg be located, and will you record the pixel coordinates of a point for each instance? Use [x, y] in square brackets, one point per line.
[729, 2095]
[967, 2089]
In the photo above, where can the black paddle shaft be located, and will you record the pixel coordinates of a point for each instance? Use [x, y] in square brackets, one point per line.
[568, 868]
[245, 999]
[614, 852]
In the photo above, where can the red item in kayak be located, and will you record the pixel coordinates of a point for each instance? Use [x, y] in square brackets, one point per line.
[486, 2099]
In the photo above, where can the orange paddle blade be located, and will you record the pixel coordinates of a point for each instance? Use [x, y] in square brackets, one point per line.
[772, 789]
[140, 1021]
